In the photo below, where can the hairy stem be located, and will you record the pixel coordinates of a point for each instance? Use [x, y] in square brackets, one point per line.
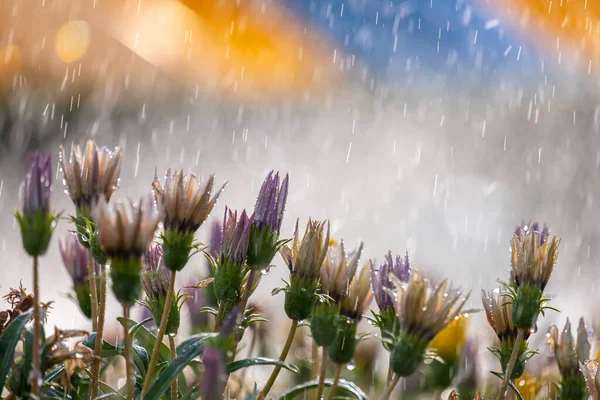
[244, 300]
[336, 381]
[322, 374]
[99, 333]
[390, 386]
[282, 357]
[93, 292]
[128, 361]
[174, 391]
[511, 364]
[36, 375]
[160, 334]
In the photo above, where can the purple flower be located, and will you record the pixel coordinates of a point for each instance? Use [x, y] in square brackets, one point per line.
[213, 378]
[270, 204]
[234, 242]
[216, 236]
[533, 227]
[38, 183]
[75, 257]
[156, 277]
[381, 282]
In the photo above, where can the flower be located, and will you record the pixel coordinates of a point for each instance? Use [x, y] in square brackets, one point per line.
[230, 267]
[341, 351]
[156, 280]
[186, 200]
[304, 259]
[268, 214]
[38, 185]
[359, 296]
[423, 311]
[532, 261]
[449, 343]
[216, 236]
[76, 258]
[591, 372]
[90, 174]
[533, 257]
[533, 227]
[36, 220]
[569, 356]
[125, 231]
[499, 310]
[156, 277]
[338, 271]
[270, 204]
[381, 282]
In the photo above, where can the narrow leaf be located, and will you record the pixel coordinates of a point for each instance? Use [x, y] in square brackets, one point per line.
[147, 340]
[186, 352]
[236, 365]
[344, 386]
[8, 342]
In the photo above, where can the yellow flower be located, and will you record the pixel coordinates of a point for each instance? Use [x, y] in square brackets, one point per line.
[529, 386]
[450, 341]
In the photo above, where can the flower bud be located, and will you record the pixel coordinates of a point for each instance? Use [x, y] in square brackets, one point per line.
[177, 247]
[526, 306]
[324, 323]
[299, 301]
[36, 220]
[407, 354]
[125, 274]
[504, 352]
[343, 347]
[76, 258]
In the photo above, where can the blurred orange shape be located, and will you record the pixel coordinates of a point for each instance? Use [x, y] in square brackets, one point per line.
[10, 60]
[72, 41]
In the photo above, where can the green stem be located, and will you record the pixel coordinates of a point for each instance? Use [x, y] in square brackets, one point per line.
[99, 333]
[161, 333]
[322, 374]
[390, 386]
[174, 391]
[282, 357]
[93, 291]
[37, 333]
[511, 364]
[128, 361]
[314, 369]
[336, 381]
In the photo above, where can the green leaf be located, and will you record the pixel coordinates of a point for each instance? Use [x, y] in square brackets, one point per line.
[8, 342]
[147, 339]
[55, 373]
[186, 352]
[510, 384]
[106, 388]
[344, 386]
[140, 355]
[234, 366]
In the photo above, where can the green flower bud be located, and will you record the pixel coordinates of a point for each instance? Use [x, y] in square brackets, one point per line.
[82, 224]
[126, 279]
[84, 299]
[262, 246]
[177, 247]
[156, 308]
[228, 280]
[324, 323]
[36, 231]
[407, 355]
[343, 347]
[387, 321]
[526, 306]
[300, 300]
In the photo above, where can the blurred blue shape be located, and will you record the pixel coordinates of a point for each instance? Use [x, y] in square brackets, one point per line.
[396, 37]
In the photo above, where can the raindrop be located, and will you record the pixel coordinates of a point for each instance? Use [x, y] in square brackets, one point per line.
[350, 366]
